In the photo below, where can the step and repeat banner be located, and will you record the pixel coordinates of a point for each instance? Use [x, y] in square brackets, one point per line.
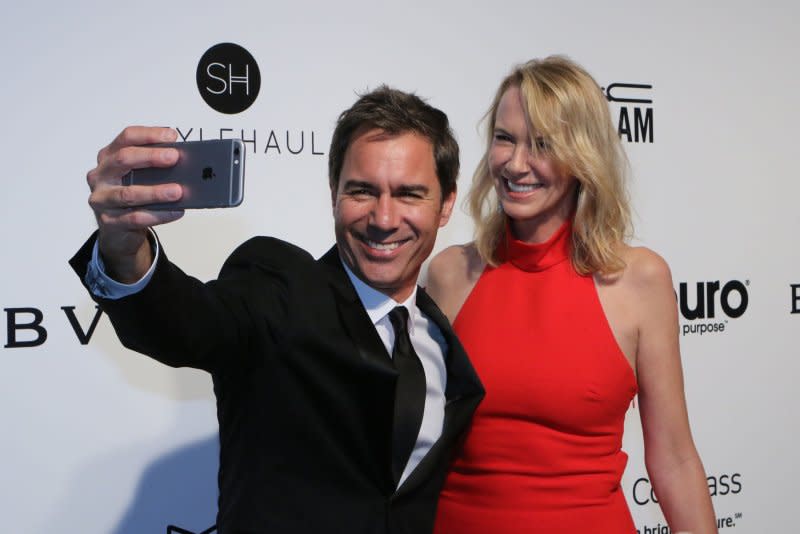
[98, 439]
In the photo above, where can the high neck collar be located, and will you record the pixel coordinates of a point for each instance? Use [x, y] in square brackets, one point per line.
[537, 256]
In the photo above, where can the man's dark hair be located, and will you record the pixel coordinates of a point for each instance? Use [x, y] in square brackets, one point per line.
[396, 112]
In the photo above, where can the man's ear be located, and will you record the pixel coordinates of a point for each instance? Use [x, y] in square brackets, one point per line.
[447, 208]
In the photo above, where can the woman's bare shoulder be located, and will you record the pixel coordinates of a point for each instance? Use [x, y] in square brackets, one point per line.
[457, 263]
[645, 268]
[452, 274]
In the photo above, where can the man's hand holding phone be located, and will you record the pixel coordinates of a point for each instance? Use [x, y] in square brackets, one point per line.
[122, 212]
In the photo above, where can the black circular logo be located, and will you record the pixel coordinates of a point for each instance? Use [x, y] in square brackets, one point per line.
[228, 78]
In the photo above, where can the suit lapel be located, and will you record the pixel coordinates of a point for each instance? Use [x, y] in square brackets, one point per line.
[462, 395]
[461, 376]
[354, 317]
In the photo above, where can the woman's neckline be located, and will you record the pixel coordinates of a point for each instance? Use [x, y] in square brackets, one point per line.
[534, 257]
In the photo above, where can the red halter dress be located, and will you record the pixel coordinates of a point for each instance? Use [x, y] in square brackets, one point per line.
[543, 454]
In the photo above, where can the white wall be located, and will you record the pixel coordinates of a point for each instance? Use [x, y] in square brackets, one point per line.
[97, 439]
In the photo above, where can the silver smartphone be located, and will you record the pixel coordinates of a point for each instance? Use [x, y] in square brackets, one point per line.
[210, 172]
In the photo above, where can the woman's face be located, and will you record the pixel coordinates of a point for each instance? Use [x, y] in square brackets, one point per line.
[536, 193]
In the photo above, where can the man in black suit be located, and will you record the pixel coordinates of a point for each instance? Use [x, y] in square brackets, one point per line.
[341, 389]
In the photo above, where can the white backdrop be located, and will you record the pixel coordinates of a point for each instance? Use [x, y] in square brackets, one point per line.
[97, 439]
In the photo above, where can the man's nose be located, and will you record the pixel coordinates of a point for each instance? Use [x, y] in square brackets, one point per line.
[385, 213]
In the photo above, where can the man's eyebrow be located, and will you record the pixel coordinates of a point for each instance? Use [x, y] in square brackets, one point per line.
[348, 184]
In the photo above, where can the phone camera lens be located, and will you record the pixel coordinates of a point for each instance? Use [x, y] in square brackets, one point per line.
[236, 151]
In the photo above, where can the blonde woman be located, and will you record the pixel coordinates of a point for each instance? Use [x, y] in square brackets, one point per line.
[564, 323]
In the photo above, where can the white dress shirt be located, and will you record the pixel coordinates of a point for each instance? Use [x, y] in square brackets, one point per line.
[430, 346]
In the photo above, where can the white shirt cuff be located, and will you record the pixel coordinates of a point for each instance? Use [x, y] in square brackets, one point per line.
[103, 286]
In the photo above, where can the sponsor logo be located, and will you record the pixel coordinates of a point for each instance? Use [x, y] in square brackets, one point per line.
[707, 306]
[718, 486]
[228, 78]
[275, 142]
[633, 103]
[25, 326]
[722, 522]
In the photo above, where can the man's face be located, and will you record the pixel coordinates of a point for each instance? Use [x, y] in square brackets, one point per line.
[387, 209]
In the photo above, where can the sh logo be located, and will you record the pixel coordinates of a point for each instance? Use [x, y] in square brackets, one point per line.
[228, 78]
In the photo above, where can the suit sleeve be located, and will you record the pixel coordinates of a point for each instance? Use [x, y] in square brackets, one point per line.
[183, 322]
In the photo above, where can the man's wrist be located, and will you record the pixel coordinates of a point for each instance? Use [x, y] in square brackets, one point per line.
[103, 285]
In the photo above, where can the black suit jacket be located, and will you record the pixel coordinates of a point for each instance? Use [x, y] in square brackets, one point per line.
[304, 387]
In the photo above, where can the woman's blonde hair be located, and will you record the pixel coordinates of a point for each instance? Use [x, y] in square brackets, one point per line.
[567, 110]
